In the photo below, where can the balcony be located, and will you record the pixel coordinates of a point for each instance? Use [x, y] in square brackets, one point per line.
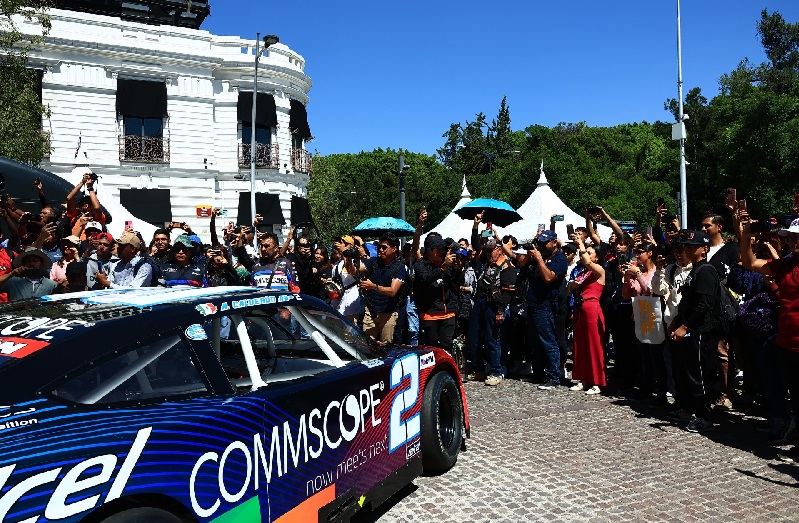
[301, 161]
[144, 149]
[267, 155]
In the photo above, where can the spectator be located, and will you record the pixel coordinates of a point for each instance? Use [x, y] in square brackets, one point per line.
[694, 331]
[589, 322]
[619, 315]
[435, 293]
[69, 248]
[347, 300]
[88, 206]
[546, 269]
[131, 270]
[101, 260]
[723, 256]
[160, 245]
[302, 263]
[383, 288]
[28, 279]
[785, 272]
[75, 279]
[182, 267]
[220, 271]
[495, 285]
[271, 270]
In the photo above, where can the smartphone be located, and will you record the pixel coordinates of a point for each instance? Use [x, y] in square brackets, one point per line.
[542, 226]
[742, 205]
[558, 218]
[731, 196]
[489, 225]
[569, 230]
[486, 234]
[759, 226]
[129, 224]
[221, 212]
[592, 209]
[649, 231]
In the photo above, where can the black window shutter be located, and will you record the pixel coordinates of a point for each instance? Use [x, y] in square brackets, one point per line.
[151, 205]
[267, 205]
[300, 211]
[298, 120]
[265, 111]
[141, 98]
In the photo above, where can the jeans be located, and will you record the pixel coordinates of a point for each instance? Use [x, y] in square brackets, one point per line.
[484, 332]
[541, 333]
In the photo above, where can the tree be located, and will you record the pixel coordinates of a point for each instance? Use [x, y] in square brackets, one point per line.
[21, 136]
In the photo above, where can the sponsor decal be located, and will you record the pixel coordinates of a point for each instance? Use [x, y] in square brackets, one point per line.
[427, 360]
[206, 309]
[372, 363]
[413, 449]
[66, 498]
[196, 332]
[20, 347]
[402, 431]
[40, 328]
[276, 452]
[6, 412]
[20, 423]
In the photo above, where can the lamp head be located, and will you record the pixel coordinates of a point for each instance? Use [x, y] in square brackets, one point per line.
[270, 40]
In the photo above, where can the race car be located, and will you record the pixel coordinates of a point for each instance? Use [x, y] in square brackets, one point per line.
[226, 404]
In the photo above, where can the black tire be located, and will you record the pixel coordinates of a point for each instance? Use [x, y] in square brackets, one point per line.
[143, 515]
[442, 423]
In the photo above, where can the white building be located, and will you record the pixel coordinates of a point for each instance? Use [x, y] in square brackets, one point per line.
[162, 112]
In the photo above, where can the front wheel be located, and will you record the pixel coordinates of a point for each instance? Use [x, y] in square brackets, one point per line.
[442, 423]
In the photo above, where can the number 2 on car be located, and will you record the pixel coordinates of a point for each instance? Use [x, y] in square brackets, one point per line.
[399, 431]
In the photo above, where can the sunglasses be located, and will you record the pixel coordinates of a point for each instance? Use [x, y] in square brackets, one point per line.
[382, 247]
[179, 248]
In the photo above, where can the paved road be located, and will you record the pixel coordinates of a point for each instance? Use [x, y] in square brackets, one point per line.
[563, 456]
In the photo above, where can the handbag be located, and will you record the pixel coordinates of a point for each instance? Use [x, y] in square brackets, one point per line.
[648, 316]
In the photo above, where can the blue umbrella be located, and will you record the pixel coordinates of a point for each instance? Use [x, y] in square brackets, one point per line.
[495, 211]
[381, 224]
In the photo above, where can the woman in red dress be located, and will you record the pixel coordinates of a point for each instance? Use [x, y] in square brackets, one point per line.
[589, 323]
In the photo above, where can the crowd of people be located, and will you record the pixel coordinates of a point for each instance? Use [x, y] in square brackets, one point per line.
[681, 313]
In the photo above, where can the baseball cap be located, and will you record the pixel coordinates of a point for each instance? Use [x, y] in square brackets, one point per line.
[93, 225]
[349, 240]
[434, 242]
[794, 226]
[490, 243]
[105, 236]
[547, 236]
[130, 239]
[693, 238]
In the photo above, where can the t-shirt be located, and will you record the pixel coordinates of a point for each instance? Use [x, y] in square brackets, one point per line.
[786, 275]
[700, 298]
[383, 275]
[277, 275]
[23, 288]
[541, 293]
[723, 257]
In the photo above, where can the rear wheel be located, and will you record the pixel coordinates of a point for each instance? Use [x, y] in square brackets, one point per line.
[442, 423]
[143, 515]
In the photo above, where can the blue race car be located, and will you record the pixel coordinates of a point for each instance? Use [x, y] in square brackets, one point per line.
[224, 405]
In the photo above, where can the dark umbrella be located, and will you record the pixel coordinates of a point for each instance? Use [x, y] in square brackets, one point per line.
[495, 211]
[379, 225]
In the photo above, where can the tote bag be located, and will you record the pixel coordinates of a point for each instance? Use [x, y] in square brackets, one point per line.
[648, 315]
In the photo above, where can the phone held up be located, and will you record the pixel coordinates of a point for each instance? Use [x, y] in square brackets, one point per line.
[558, 218]
[128, 224]
[569, 230]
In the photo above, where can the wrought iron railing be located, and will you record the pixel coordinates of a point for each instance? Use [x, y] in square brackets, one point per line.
[266, 155]
[301, 161]
[145, 149]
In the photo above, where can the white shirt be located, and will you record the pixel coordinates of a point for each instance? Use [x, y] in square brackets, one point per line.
[122, 274]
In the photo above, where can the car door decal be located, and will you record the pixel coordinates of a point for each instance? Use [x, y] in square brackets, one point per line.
[401, 432]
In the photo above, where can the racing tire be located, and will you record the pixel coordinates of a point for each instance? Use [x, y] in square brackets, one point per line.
[442, 423]
[143, 515]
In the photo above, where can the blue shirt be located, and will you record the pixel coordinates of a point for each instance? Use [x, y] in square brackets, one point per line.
[383, 275]
[541, 293]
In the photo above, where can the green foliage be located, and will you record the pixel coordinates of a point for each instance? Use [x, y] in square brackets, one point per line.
[346, 189]
[21, 136]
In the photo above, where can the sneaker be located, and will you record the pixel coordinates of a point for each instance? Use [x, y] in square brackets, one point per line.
[723, 403]
[494, 380]
[679, 415]
[549, 385]
[476, 376]
[698, 424]
[577, 387]
[788, 426]
[593, 390]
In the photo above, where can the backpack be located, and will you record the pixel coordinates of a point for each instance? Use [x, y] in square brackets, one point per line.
[727, 311]
[155, 270]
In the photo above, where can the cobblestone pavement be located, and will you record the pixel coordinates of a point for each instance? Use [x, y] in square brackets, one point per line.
[563, 456]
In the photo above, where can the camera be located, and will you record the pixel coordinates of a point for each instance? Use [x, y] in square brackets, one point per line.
[593, 209]
[529, 246]
[300, 232]
[351, 252]
[623, 258]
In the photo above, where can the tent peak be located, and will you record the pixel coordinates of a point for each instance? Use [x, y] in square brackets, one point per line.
[465, 192]
[542, 178]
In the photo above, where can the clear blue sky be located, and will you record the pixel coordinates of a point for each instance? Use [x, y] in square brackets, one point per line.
[396, 74]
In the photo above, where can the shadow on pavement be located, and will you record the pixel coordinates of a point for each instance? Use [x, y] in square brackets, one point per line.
[370, 516]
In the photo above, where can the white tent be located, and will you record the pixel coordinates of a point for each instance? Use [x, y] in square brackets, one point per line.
[539, 208]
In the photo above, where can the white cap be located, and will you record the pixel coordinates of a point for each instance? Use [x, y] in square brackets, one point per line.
[93, 225]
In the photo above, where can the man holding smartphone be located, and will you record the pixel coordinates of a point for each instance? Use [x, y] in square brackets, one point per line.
[28, 278]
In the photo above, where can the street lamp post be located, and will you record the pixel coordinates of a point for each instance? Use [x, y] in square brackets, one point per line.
[268, 40]
[681, 123]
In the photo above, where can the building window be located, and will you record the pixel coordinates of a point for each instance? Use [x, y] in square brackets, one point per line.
[142, 108]
[263, 135]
